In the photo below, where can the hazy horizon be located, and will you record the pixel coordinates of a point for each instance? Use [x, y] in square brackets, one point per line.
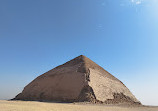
[121, 36]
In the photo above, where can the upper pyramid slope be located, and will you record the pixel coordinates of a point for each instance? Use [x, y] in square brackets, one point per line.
[85, 64]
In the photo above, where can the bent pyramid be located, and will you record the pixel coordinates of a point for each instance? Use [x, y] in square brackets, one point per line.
[78, 80]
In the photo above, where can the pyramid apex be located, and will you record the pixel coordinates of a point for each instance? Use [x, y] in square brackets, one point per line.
[81, 56]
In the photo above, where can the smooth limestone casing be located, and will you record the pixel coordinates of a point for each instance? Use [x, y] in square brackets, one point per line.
[60, 84]
[104, 88]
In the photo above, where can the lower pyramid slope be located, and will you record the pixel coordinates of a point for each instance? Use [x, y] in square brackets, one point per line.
[78, 80]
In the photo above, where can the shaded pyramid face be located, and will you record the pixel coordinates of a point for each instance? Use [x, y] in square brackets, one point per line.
[78, 80]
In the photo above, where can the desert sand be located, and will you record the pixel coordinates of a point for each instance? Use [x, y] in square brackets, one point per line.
[44, 106]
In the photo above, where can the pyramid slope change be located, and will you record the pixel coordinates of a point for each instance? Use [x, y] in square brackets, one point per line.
[78, 80]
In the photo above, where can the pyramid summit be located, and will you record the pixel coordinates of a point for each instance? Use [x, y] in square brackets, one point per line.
[78, 80]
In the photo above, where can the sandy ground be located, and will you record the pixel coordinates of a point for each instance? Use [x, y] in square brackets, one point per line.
[43, 106]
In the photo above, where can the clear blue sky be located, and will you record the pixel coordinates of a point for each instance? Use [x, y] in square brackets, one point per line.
[119, 35]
